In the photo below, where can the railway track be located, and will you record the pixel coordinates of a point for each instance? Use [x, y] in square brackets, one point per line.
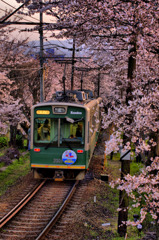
[13, 197]
[53, 221]
[20, 205]
[60, 230]
[38, 212]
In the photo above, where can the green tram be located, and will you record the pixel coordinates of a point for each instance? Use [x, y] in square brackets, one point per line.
[63, 137]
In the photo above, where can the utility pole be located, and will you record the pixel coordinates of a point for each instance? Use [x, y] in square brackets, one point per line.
[82, 81]
[64, 79]
[67, 61]
[73, 64]
[98, 83]
[83, 69]
[41, 57]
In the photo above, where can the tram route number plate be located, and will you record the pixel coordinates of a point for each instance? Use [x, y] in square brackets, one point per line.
[57, 160]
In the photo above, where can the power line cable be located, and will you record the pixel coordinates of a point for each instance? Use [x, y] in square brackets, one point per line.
[5, 12]
[55, 46]
[15, 28]
[15, 8]
[11, 14]
[20, 18]
[59, 46]
[20, 69]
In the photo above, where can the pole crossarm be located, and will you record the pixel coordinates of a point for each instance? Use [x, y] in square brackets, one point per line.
[66, 58]
[64, 61]
[19, 23]
[86, 69]
[33, 23]
[53, 26]
[83, 69]
[111, 35]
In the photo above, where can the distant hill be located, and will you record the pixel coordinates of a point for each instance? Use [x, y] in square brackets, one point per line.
[56, 47]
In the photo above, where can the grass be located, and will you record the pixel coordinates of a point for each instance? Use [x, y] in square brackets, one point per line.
[135, 167]
[128, 238]
[15, 170]
[111, 200]
[1, 164]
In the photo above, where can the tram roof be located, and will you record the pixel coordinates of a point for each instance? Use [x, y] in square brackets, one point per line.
[87, 103]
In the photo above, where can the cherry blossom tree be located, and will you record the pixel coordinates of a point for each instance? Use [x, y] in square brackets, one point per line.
[123, 39]
[10, 110]
[11, 53]
[143, 190]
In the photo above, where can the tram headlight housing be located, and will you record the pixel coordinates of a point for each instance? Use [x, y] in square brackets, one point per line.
[59, 110]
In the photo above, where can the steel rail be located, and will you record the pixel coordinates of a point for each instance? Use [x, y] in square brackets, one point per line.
[20, 205]
[58, 213]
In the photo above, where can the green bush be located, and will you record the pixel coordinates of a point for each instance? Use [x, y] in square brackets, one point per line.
[3, 142]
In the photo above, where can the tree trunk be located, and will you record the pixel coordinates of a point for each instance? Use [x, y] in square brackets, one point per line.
[157, 146]
[13, 132]
[157, 228]
[125, 164]
[123, 201]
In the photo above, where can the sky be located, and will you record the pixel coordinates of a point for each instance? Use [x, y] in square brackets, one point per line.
[18, 34]
[32, 36]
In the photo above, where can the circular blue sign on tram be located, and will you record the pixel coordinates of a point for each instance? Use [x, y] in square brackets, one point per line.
[69, 157]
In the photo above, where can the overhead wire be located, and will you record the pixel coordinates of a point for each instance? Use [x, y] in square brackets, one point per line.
[35, 19]
[20, 18]
[15, 8]
[16, 15]
[54, 46]
[37, 69]
[5, 12]
[16, 28]
[20, 69]
[60, 46]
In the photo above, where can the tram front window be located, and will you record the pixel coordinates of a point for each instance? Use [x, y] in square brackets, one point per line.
[72, 132]
[45, 130]
[58, 132]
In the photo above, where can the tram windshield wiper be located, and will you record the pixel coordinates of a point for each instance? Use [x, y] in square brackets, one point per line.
[48, 145]
[71, 120]
[78, 120]
[67, 143]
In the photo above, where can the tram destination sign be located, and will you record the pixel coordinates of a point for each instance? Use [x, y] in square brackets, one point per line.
[76, 113]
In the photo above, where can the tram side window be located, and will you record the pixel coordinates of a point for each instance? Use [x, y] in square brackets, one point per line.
[94, 122]
[42, 129]
[77, 131]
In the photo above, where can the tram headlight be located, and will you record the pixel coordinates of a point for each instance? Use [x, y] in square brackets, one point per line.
[36, 149]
